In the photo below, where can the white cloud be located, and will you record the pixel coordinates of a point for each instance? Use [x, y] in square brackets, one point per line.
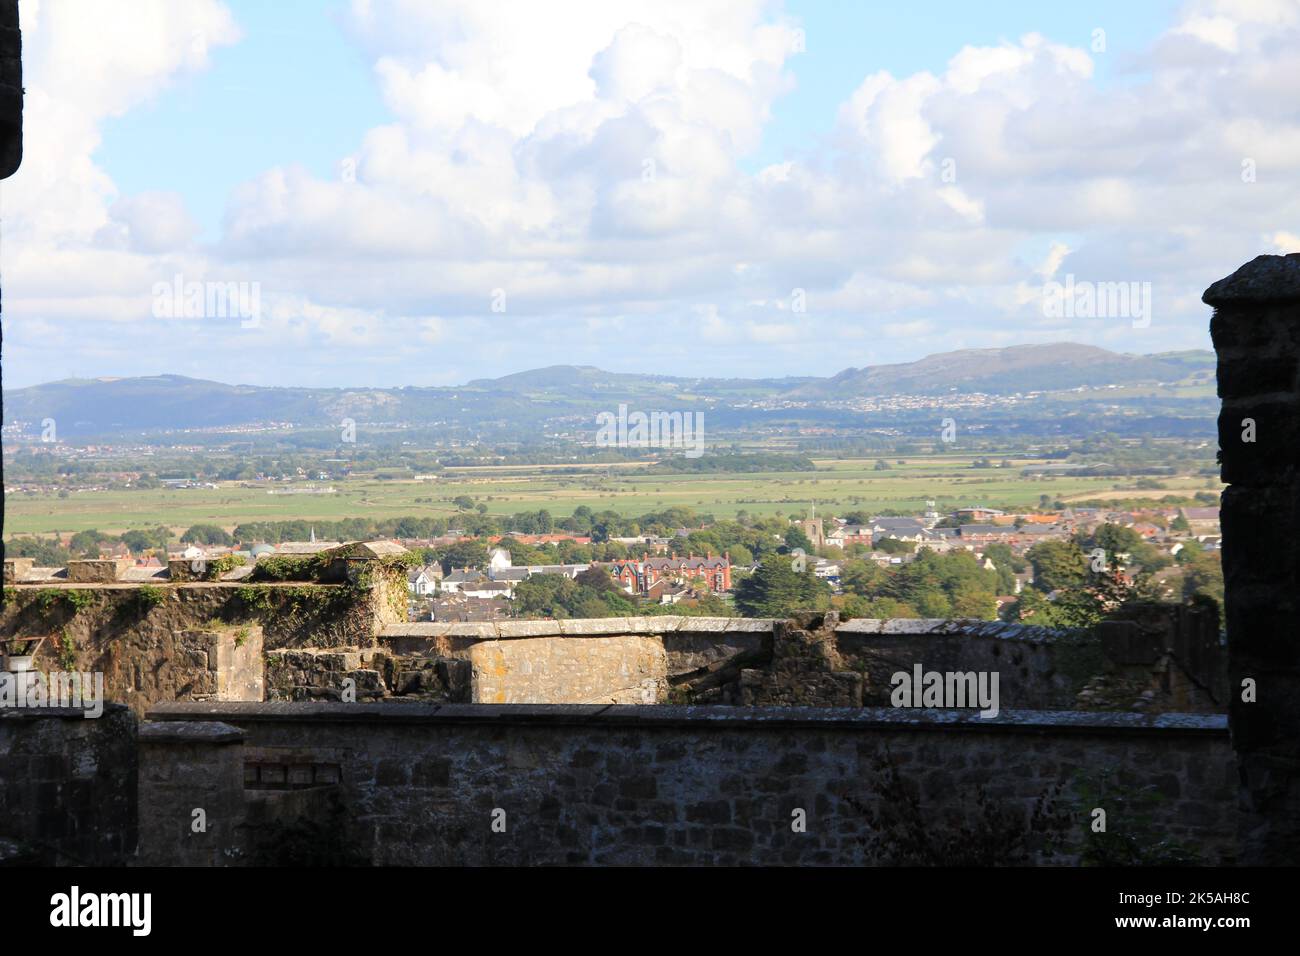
[1285, 243]
[592, 164]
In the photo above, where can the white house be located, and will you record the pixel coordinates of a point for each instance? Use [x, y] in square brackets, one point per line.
[424, 581]
[488, 589]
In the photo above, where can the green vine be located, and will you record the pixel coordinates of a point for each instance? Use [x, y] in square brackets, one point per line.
[67, 651]
[148, 597]
[291, 567]
[46, 598]
[223, 564]
[254, 600]
[72, 600]
[78, 600]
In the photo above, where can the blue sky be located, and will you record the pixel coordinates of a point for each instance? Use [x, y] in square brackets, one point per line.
[748, 186]
[294, 90]
[291, 91]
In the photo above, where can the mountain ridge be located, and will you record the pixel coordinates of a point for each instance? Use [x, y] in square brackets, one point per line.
[170, 401]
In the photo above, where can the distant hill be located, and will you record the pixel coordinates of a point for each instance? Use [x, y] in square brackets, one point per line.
[1018, 368]
[106, 406]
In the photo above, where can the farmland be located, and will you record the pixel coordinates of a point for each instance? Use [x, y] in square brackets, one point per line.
[837, 486]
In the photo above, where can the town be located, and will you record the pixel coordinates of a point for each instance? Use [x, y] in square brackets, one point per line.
[974, 562]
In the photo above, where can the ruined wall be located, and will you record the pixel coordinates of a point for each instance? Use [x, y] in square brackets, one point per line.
[1037, 669]
[186, 641]
[1166, 658]
[423, 784]
[67, 787]
[1256, 332]
[295, 641]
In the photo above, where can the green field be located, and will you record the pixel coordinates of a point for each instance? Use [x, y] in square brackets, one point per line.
[837, 486]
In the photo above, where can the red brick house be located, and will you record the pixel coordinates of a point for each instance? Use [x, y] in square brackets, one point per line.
[637, 577]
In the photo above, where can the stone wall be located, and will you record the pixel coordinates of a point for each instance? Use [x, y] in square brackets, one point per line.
[628, 669]
[11, 92]
[67, 787]
[295, 641]
[1166, 658]
[187, 641]
[1256, 332]
[191, 794]
[419, 784]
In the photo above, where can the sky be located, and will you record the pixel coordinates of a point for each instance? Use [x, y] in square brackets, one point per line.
[424, 192]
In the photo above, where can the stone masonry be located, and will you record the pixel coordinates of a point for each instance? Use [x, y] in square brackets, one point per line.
[1256, 332]
[543, 785]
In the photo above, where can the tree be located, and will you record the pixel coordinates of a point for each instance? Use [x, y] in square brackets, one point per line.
[1203, 576]
[1057, 564]
[1032, 607]
[977, 604]
[895, 546]
[559, 596]
[86, 543]
[863, 578]
[795, 538]
[141, 541]
[776, 589]
[598, 579]
[46, 554]
[464, 554]
[463, 502]
[206, 534]
[1116, 539]
[886, 609]
[741, 554]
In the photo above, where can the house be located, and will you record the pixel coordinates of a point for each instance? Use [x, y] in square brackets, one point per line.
[904, 529]
[484, 588]
[988, 533]
[424, 581]
[1202, 520]
[637, 577]
[941, 540]
[498, 559]
[668, 592]
[977, 515]
[826, 569]
[454, 581]
[849, 534]
[510, 575]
